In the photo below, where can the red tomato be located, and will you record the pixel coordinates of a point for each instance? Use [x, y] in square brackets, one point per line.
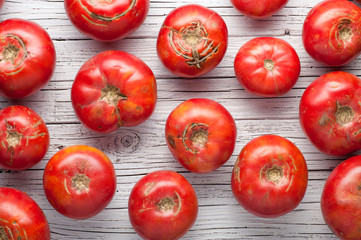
[107, 20]
[332, 32]
[24, 138]
[270, 176]
[267, 66]
[201, 134]
[259, 8]
[192, 41]
[21, 217]
[341, 197]
[113, 89]
[330, 113]
[162, 206]
[1, 3]
[27, 60]
[79, 181]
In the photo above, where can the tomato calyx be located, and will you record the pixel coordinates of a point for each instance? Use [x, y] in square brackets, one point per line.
[342, 32]
[169, 203]
[14, 50]
[3, 234]
[196, 135]
[274, 174]
[80, 182]
[344, 114]
[111, 95]
[269, 64]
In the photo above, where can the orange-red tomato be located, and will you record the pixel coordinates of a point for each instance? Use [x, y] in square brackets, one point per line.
[259, 8]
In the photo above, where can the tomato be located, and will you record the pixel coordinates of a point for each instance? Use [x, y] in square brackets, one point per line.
[113, 89]
[24, 138]
[21, 217]
[107, 20]
[267, 66]
[79, 181]
[330, 113]
[201, 134]
[341, 197]
[162, 206]
[192, 40]
[259, 8]
[1, 3]
[270, 176]
[332, 32]
[27, 58]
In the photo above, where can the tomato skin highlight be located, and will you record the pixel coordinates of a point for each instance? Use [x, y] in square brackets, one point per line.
[330, 114]
[162, 206]
[27, 57]
[340, 200]
[332, 32]
[259, 8]
[24, 138]
[267, 66]
[79, 181]
[201, 134]
[21, 217]
[192, 41]
[107, 20]
[269, 178]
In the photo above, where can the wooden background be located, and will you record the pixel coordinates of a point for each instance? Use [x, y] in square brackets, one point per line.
[142, 149]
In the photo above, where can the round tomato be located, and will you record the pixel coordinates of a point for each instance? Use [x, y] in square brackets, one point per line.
[27, 58]
[192, 41]
[1, 3]
[24, 138]
[259, 8]
[107, 20]
[162, 206]
[201, 134]
[341, 198]
[267, 66]
[270, 176]
[330, 113]
[113, 89]
[332, 32]
[21, 217]
[79, 181]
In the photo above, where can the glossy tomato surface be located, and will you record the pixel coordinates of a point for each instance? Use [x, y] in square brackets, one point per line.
[79, 181]
[259, 8]
[341, 198]
[332, 32]
[269, 178]
[192, 40]
[267, 66]
[113, 89]
[107, 20]
[162, 206]
[330, 113]
[24, 138]
[27, 58]
[21, 217]
[201, 134]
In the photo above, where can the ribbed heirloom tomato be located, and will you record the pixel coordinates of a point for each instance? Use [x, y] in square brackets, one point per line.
[201, 134]
[113, 89]
[21, 217]
[192, 40]
[259, 8]
[107, 20]
[79, 181]
[162, 206]
[24, 138]
[270, 176]
[27, 58]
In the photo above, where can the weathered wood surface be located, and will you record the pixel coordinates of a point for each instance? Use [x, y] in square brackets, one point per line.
[142, 149]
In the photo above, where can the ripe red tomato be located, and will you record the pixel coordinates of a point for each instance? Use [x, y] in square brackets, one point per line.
[107, 20]
[79, 181]
[113, 89]
[332, 32]
[267, 66]
[24, 138]
[1, 3]
[27, 60]
[201, 134]
[192, 41]
[270, 176]
[341, 198]
[330, 113]
[162, 206]
[21, 217]
[259, 8]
